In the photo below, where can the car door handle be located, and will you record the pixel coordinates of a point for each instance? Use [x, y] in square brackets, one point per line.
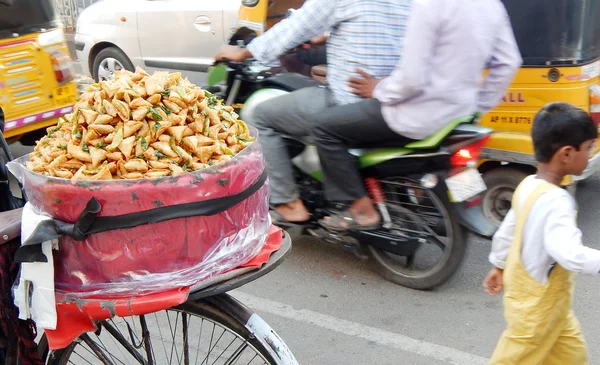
[203, 23]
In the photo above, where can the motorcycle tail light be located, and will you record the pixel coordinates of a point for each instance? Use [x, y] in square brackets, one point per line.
[595, 103]
[61, 64]
[468, 155]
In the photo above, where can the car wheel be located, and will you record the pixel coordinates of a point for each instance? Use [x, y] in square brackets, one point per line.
[108, 61]
[501, 184]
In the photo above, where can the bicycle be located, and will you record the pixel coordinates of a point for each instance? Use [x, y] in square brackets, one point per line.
[201, 324]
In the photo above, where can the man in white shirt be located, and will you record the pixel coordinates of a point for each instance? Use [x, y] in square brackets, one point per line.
[447, 46]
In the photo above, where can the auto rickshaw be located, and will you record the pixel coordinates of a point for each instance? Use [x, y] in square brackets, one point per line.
[260, 15]
[36, 78]
[560, 44]
[559, 41]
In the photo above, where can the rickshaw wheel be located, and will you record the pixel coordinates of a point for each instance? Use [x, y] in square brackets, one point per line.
[501, 184]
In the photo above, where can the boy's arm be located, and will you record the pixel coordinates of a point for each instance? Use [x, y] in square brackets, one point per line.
[562, 239]
[502, 241]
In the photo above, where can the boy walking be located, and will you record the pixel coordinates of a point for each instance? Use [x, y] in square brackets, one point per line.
[538, 249]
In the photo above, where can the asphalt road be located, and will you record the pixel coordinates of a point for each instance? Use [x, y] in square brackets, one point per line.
[333, 309]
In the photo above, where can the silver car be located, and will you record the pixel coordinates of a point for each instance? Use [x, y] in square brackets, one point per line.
[174, 35]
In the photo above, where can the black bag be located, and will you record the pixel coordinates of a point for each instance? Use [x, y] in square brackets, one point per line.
[313, 56]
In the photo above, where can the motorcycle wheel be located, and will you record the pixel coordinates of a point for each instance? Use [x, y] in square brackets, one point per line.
[419, 212]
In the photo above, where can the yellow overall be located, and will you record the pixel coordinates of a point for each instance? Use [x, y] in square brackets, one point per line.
[541, 327]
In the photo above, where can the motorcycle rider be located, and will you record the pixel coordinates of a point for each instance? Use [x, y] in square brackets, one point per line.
[447, 46]
[364, 34]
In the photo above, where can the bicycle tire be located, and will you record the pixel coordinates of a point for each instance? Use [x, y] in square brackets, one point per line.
[204, 308]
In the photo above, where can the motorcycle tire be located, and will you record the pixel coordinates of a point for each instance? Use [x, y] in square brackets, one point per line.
[452, 257]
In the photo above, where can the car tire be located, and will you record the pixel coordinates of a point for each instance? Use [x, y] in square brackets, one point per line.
[501, 184]
[110, 59]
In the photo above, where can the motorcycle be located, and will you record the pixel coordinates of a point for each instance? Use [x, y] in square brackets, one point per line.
[426, 191]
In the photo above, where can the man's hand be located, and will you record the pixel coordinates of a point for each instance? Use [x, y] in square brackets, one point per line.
[318, 40]
[363, 86]
[493, 282]
[232, 53]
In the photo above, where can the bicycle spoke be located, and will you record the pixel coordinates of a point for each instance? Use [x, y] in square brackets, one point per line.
[209, 346]
[161, 336]
[96, 349]
[226, 348]
[110, 352]
[219, 345]
[199, 340]
[123, 341]
[174, 345]
[252, 359]
[237, 353]
[83, 358]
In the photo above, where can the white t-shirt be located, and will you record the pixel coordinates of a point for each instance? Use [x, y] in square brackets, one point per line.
[550, 236]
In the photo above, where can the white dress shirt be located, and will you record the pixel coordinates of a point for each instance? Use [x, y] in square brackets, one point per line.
[550, 236]
[448, 44]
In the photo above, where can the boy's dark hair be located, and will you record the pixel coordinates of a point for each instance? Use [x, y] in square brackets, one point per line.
[558, 125]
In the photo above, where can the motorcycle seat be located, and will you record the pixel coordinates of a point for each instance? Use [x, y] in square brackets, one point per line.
[10, 225]
[430, 143]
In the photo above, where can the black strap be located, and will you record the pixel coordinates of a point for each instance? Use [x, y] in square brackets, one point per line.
[88, 223]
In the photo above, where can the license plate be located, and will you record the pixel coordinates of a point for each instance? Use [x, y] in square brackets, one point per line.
[465, 185]
[64, 95]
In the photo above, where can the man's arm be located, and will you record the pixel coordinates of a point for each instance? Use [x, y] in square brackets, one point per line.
[503, 66]
[410, 76]
[562, 239]
[502, 241]
[312, 19]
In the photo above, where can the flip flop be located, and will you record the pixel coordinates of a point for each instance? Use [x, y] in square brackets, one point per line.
[345, 221]
[278, 220]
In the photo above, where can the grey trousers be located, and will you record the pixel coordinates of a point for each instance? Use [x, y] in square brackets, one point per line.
[293, 115]
[358, 125]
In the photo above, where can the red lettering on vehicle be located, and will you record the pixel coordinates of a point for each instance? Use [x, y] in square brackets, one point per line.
[513, 98]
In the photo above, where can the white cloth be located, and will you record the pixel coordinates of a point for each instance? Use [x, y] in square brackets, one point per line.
[34, 295]
[447, 46]
[550, 236]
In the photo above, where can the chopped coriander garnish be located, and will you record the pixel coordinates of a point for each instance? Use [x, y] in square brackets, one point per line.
[155, 114]
[144, 143]
[212, 99]
[166, 110]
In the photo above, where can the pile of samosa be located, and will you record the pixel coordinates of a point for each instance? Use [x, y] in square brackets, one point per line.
[140, 126]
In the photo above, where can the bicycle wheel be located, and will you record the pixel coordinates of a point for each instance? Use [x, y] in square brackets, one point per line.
[196, 332]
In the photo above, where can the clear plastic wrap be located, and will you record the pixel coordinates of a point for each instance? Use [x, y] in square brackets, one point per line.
[154, 257]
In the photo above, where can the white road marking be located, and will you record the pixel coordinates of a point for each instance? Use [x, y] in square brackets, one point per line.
[379, 336]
